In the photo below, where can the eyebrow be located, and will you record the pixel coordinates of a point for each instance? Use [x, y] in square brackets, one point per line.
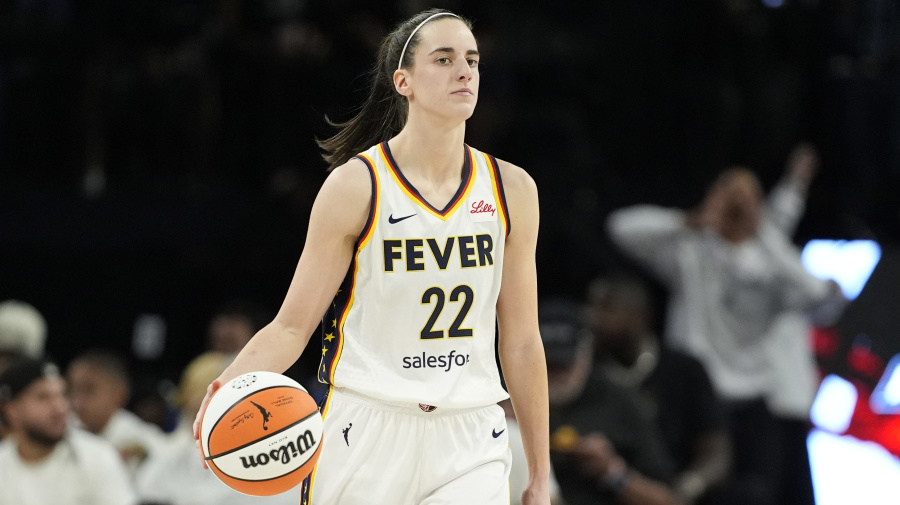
[470, 52]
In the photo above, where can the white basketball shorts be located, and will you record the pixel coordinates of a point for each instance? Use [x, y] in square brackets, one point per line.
[399, 453]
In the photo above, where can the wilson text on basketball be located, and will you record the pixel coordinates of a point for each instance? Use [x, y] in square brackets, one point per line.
[282, 453]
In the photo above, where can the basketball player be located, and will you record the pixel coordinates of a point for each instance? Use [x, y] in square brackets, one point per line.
[409, 240]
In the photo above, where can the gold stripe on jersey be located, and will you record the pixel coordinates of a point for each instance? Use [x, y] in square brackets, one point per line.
[499, 196]
[375, 350]
[460, 197]
[363, 240]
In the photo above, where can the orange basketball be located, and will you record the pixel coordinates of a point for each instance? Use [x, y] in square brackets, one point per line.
[261, 433]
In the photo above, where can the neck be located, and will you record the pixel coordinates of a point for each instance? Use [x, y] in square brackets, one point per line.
[637, 369]
[32, 451]
[430, 147]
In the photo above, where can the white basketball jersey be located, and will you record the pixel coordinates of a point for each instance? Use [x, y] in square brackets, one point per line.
[415, 317]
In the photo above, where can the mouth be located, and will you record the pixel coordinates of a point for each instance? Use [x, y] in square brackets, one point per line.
[464, 92]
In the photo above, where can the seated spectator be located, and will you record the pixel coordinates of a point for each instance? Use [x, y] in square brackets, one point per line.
[43, 462]
[175, 475]
[605, 447]
[23, 332]
[99, 388]
[687, 410]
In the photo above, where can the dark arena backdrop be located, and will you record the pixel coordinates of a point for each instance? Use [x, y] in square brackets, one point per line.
[157, 157]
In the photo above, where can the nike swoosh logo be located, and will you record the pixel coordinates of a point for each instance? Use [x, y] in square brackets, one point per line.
[495, 434]
[392, 220]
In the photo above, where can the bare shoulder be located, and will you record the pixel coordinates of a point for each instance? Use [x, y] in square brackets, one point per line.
[352, 178]
[344, 199]
[515, 179]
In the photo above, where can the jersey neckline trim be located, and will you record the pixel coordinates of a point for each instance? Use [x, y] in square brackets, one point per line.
[468, 179]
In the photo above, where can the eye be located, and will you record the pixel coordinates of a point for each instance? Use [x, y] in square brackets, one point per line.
[473, 62]
[443, 61]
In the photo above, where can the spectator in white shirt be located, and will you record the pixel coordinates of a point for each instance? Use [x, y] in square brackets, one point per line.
[99, 388]
[730, 273]
[174, 475]
[23, 332]
[43, 462]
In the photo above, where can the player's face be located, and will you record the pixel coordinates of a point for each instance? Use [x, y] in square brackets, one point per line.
[41, 410]
[95, 396]
[444, 79]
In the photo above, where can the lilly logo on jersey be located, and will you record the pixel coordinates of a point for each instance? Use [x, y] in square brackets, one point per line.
[282, 453]
[441, 361]
[481, 207]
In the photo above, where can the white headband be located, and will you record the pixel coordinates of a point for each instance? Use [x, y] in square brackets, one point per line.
[429, 18]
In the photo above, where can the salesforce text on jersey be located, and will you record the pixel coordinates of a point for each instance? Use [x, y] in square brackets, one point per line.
[444, 362]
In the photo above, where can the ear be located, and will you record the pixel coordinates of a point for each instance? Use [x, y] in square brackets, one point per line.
[7, 414]
[122, 394]
[401, 82]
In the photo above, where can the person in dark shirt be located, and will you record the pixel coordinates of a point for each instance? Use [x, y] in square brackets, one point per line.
[605, 448]
[685, 407]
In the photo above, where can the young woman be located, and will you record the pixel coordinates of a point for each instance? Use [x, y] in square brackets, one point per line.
[417, 245]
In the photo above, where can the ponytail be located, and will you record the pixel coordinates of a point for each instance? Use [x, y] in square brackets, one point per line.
[384, 112]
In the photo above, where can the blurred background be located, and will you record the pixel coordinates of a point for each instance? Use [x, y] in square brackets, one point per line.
[158, 163]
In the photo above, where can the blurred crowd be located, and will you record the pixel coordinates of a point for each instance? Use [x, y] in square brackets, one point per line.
[710, 407]
[157, 166]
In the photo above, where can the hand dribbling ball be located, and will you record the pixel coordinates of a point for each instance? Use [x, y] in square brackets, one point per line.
[261, 433]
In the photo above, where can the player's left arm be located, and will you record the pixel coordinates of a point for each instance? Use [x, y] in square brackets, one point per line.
[521, 349]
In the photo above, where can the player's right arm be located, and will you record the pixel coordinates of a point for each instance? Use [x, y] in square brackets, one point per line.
[337, 218]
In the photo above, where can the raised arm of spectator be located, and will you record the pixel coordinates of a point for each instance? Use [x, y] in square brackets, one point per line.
[787, 200]
[649, 233]
[800, 290]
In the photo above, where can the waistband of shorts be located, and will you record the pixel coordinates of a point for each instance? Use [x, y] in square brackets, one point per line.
[405, 407]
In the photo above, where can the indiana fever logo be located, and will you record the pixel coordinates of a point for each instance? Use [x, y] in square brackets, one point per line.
[265, 414]
[283, 453]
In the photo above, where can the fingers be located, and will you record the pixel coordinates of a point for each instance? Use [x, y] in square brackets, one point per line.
[202, 456]
[596, 454]
[210, 391]
[803, 163]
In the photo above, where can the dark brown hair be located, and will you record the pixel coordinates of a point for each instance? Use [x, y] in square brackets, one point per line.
[384, 111]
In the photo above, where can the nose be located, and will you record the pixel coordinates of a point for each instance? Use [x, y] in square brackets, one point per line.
[465, 74]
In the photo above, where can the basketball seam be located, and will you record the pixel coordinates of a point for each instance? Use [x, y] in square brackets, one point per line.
[239, 400]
